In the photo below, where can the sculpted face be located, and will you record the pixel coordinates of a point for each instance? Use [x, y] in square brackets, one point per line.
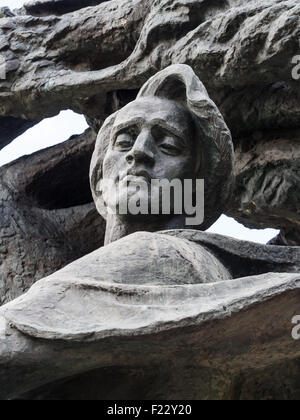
[152, 138]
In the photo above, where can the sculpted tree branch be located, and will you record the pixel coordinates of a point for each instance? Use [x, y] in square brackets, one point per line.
[118, 45]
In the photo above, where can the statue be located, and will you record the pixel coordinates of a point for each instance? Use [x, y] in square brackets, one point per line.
[179, 134]
[156, 273]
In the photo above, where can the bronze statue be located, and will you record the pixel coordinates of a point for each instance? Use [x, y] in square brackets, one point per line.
[155, 273]
[172, 130]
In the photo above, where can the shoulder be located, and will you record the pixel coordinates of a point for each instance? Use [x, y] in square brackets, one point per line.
[159, 258]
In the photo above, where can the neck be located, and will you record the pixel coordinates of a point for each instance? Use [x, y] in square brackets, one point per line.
[117, 228]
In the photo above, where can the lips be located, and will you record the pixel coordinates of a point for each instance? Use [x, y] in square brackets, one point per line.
[137, 176]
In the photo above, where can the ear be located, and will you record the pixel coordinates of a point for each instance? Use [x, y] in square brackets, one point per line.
[102, 144]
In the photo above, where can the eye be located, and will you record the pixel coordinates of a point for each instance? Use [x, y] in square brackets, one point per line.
[125, 138]
[168, 143]
[124, 141]
[169, 147]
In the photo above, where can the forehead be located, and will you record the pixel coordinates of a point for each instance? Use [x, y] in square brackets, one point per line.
[153, 110]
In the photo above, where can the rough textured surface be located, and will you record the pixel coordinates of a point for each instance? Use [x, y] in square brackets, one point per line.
[219, 336]
[148, 298]
[95, 59]
[144, 268]
[226, 340]
[268, 179]
[144, 383]
[11, 128]
[244, 326]
[287, 237]
[172, 131]
[46, 218]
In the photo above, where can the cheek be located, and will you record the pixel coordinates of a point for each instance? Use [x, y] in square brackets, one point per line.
[188, 168]
[112, 163]
[175, 167]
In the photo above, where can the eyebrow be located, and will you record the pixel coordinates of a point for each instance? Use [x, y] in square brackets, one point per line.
[155, 121]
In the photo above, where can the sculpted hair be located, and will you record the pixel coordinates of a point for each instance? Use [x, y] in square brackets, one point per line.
[179, 83]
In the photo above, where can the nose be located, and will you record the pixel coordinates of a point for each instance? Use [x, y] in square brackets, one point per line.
[142, 151]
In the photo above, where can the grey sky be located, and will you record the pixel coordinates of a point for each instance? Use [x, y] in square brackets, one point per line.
[47, 133]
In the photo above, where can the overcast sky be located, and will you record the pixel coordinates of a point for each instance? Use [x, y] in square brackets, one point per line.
[58, 129]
